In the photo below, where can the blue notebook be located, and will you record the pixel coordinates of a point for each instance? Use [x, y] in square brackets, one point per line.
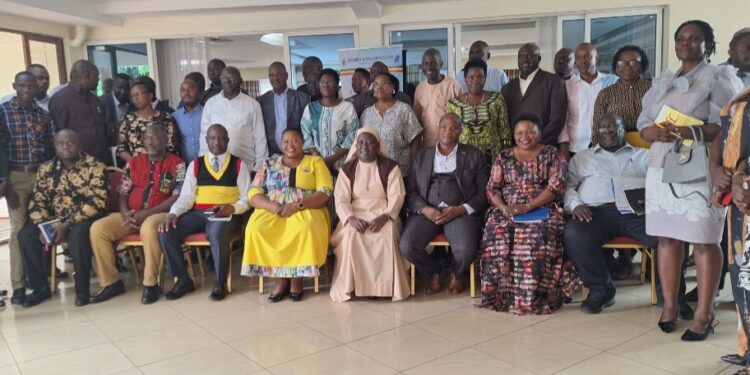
[537, 215]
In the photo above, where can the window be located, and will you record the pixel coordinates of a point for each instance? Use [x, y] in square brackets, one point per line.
[326, 47]
[415, 42]
[111, 59]
[611, 31]
[23, 49]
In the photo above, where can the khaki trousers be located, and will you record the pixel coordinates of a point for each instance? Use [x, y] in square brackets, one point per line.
[23, 184]
[107, 230]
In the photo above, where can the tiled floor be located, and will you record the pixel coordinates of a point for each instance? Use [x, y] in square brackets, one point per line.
[438, 335]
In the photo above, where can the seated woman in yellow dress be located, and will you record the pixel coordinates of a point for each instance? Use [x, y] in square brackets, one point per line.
[287, 236]
[369, 194]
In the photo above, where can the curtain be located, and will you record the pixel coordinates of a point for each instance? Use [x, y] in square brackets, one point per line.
[175, 59]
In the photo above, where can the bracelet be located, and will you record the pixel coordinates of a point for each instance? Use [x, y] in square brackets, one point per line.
[738, 174]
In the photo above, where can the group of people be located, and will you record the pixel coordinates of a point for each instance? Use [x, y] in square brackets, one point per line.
[378, 176]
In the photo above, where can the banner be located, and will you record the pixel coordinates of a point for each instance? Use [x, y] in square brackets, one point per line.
[353, 58]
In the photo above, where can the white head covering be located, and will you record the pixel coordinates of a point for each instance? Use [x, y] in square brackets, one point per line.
[353, 150]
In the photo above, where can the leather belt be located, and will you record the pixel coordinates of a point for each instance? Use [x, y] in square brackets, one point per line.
[28, 168]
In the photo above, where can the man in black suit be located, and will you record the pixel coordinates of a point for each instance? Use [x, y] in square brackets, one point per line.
[446, 193]
[117, 104]
[282, 107]
[537, 92]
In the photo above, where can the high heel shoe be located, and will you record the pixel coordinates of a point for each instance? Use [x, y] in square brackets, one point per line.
[690, 335]
[670, 325]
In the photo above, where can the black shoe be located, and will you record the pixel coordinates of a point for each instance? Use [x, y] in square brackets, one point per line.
[692, 296]
[108, 292]
[273, 298]
[594, 304]
[670, 325]
[150, 294]
[61, 275]
[37, 297]
[19, 296]
[295, 297]
[686, 311]
[82, 300]
[180, 289]
[218, 293]
[734, 359]
[690, 335]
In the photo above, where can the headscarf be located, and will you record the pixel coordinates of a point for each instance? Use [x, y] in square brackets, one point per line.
[353, 150]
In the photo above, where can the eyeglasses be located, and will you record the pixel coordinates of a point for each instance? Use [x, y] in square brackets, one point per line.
[631, 63]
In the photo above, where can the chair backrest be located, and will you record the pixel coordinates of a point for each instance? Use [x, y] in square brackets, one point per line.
[113, 197]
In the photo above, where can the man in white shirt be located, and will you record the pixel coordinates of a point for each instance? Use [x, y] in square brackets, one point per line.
[215, 187]
[42, 81]
[594, 175]
[582, 90]
[496, 78]
[241, 115]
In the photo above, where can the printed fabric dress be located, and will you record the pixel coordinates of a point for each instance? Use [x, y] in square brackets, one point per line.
[522, 265]
[329, 129]
[293, 246]
[486, 124]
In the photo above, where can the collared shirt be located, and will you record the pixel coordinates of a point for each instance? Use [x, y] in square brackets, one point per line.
[210, 92]
[447, 164]
[28, 133]
[581, 99]
[43, 102]
[495, 80]
[524, 83]
[429, 105]
[189, 123]
[243, 118]
[77, 194]
[189, 186]
[149, 183]
[591, 173]
[279, 105]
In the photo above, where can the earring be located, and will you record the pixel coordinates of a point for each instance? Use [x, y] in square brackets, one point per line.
[393, 92]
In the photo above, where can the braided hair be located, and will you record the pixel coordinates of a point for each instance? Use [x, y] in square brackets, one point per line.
[708, 34]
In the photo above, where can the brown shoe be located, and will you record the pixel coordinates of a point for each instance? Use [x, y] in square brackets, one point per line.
[456, 286]
[434, 286]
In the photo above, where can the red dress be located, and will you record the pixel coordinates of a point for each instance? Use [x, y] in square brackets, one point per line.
[522, 265]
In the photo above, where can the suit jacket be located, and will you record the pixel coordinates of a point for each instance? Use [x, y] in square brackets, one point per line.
[109, 110]
[545, 97]
[472, 174]
[295, 104]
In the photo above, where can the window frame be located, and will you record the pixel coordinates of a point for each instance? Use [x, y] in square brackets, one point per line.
[58, 42]
[449, 26]
[153, 67]
[323, 31]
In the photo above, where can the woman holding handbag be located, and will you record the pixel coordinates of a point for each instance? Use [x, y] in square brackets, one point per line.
[677, 209]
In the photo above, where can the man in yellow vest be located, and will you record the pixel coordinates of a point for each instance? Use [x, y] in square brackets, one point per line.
[213, 196]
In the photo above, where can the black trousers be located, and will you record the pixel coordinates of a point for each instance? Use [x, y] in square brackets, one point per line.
[217, 232]
[35, 258]
[463, 234]
[583, 243]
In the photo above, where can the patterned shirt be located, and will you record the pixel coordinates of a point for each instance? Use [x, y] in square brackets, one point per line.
[28, 133]
[148, 183]
[397, 127]
[329, 129]
[132, 128]
[78, 193]
[485, 125]
[622, 99]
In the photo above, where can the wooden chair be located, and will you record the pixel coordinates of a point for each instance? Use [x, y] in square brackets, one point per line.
[199, 241]
[647, 257]
[441, 240]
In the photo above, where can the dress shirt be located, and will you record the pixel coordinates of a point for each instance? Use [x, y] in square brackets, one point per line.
[279, 106]
[591, 173]
[447, 164]
[495, 80]
[243, 118]
[189, 123]
[43, 102]
[581, 100]
[186, 201]
[524, 83]
[27, 133]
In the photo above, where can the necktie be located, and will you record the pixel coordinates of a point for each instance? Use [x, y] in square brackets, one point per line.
[215, 163]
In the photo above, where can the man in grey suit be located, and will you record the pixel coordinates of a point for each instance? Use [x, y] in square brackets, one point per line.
[446, 193]
[282, 107]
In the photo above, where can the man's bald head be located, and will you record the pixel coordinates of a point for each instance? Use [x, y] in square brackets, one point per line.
[528, 59]
[479, 50]
[586, 58]
[85, 74]
[231, 82]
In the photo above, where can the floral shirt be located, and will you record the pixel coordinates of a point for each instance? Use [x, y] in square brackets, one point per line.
[398, 127]
[132, 128]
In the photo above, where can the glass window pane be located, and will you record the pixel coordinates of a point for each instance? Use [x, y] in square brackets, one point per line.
[415, 43]
[326, 47]
[12, 62]
[131, 59]
[46, 54]
[611, 33]
[573, 33]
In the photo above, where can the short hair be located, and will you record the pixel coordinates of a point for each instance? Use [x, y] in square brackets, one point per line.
[364, 72]
[737, 36]
[330, 72]
[293, 130]
[708, 34]
[631, 48]
[530, 117]
[35, 65]
[475, 63]
[147, 83]
[21, 74]
[394, 81]
[198, 78]
[123, 77]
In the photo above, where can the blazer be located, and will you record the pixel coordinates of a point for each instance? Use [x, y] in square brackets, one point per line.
[472, 173]
[109, 110]
[545, 97]
[295, 105]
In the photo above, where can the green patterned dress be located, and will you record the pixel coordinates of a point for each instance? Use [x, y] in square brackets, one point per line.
[485, 126]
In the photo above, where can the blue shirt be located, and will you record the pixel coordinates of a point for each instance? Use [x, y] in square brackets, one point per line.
[190, 131]
[279, 104]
